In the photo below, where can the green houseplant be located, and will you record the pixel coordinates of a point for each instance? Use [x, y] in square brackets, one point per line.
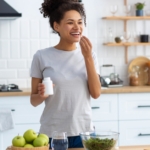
[139, 8]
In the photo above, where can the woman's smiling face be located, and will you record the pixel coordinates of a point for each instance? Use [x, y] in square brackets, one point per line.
[70, 27]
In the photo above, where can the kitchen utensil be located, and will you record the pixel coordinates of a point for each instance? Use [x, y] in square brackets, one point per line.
[10, 88]
[101, 140]
[142, 63]
[107, 69]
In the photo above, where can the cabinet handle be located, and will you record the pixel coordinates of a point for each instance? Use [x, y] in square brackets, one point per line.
[95, 107]
[12, 109]
[141, 106]
[143, 134]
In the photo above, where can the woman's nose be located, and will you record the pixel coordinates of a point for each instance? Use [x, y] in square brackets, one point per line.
[76, 26]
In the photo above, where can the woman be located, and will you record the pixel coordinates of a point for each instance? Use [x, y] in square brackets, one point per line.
[73, 70]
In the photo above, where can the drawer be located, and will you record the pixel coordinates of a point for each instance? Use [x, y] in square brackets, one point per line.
[134, 106]
[22, 110]
[134, 133]
[105, 108]
[106, 126]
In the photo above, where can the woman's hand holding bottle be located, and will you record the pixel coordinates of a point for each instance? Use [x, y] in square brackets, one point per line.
[41, 91]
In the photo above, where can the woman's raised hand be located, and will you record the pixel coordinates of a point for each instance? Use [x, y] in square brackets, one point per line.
[86, 47]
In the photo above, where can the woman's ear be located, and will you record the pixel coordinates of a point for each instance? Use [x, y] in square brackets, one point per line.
[56, 26]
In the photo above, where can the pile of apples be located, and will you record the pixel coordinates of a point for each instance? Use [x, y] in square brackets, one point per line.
[30, 139]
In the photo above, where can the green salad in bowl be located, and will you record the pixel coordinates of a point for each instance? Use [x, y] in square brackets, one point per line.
[99, 140]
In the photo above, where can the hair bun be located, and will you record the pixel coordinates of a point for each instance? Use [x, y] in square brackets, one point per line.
[48, 6]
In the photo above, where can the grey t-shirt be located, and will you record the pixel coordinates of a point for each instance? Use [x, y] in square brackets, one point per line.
[69, 109]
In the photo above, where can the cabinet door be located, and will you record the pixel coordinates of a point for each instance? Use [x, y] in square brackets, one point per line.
[134, 133]
[105, 108]
[22, 110]
[106, 126]
[7, 136]
[134, 106]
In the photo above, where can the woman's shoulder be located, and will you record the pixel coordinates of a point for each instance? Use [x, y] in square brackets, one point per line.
[45, 50]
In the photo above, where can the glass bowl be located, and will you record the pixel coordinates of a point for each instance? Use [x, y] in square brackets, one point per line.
[102, 140]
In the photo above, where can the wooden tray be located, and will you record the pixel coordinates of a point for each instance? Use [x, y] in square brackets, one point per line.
[142, 63]
[21, 148]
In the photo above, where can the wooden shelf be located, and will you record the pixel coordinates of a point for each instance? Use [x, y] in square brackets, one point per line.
[127, 44]
[127, 18]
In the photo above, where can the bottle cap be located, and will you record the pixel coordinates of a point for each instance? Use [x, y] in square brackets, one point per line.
[47, 78]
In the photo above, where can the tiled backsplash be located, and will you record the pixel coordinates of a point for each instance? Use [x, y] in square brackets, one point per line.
[21, 38]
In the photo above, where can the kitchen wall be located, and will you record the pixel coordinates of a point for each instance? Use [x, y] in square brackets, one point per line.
[21, 38]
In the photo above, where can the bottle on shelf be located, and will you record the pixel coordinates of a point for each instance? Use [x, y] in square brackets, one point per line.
[110, 36]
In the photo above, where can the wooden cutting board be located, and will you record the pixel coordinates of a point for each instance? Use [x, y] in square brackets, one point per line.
[142, 63]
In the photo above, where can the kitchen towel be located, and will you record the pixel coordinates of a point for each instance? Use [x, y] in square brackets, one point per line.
[6, 119]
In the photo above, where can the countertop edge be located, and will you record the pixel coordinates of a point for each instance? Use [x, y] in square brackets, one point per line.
[116, 90]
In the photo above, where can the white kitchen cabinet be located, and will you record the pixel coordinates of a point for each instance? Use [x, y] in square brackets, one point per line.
[105, 108]
[23, 111]
[105, 113]
[134, 132]
[128, 114]
[134, 106]
[134, 119]
[25, 117]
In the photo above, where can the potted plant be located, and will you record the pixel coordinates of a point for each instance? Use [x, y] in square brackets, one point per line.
[139, 9]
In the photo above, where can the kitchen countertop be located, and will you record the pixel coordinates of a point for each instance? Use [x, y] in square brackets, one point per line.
[120, 148]
[124, 89]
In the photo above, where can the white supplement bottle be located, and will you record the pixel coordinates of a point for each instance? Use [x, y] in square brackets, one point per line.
[48, 86]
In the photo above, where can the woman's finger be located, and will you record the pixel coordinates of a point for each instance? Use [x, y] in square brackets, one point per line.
[86, 44]
[82, 45]
[88, 41]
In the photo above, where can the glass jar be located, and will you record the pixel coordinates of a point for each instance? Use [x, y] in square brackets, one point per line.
[148, 72]
[134, 76]
[134, 79]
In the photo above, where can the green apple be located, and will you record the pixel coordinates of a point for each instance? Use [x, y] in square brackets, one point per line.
[44, 136]
[30, 135]
[39, 141]
[18, 141]
[28, 146]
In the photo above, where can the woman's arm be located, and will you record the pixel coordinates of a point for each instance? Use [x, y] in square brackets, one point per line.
[37, 92]
[93, 78]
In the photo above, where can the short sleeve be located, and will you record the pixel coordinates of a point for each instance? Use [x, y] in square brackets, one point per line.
[35, 70]
[95, 62]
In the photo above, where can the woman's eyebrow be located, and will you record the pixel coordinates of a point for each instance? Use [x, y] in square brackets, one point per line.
[73, 20]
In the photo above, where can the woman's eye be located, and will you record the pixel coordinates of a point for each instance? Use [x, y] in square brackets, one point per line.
[69, 22]
[80, 22]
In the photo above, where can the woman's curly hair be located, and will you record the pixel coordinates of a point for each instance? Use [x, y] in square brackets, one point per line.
[55, 10]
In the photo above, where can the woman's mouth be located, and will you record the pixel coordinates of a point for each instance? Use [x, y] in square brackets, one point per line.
[76, 34]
